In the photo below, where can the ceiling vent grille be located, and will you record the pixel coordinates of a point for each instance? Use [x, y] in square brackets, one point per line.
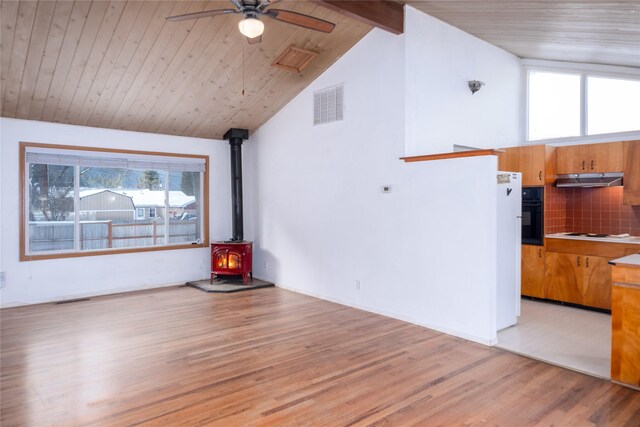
[328, 105]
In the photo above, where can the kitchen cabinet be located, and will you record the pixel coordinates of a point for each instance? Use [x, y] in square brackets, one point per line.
[535, 162]
[532, 271]
[591, 247]
[564, 277]
[596, 287]
[578, 279]
[508, 160]
[631, 191]
[625, 322]
[590, 158]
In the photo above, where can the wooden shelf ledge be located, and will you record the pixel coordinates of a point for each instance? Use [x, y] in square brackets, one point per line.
[455, 155]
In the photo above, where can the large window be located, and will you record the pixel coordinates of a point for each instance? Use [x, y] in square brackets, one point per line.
[565, 104]
[83, 201]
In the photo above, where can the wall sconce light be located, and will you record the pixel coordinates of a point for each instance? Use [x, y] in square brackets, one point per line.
[475, 85]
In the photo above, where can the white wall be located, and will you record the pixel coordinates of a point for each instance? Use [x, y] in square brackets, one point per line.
[441, 111]
[50, 280]
[426, 252]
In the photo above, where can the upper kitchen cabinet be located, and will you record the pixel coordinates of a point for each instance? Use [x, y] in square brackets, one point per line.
[631, 193]
[534, 161]
[508, 160]
[536, 164]
[590, 158]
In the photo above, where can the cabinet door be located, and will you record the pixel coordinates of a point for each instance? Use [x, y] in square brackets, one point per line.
[597, 282]
[631, 192]
[606, 157]
[590, 158]
[532, 271]
[508, 160]
[625, 339]
[563, 277]
[572, 159]
[532, 164]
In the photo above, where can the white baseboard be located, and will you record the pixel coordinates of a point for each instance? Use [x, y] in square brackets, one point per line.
[381, 312]
[87, 295]
[398, 316]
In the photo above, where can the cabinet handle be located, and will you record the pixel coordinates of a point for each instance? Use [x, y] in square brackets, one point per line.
[583, 162]
[592, 164]
[540, 176]
[587, 262]
[540, 252]
[578, 261]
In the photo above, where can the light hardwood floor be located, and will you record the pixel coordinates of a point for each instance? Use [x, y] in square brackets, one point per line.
[273, 357]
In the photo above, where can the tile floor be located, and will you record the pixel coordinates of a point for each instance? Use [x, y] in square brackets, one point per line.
[565, 336]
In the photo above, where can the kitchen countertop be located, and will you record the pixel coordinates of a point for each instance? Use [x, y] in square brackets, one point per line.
[629, 239]
[627, 261]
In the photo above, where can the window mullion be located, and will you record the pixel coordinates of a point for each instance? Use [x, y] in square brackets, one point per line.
[76, 208]
[199, 214]
[584, 105]
[27, 204]
[526, 105]
[166, 208]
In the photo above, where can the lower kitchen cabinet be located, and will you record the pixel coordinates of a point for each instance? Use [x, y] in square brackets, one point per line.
[597, 282]
[563, 277]
[532, 271]
[578, 279]
[625, 324]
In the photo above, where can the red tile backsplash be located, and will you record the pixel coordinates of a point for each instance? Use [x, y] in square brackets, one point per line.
[590, 210]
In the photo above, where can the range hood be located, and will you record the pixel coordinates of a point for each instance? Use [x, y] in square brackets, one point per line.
[590, 180]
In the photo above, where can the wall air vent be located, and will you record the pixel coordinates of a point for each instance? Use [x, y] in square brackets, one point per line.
[328, 105]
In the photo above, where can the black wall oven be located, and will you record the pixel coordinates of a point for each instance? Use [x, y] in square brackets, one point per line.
[533, 216]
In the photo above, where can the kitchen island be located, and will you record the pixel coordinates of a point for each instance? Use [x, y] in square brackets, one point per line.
[625, 321]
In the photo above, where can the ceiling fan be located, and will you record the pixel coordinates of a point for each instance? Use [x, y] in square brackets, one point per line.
[251, 26]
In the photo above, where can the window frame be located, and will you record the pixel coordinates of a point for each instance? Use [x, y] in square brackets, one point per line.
[138, 216]
[584, 71]
[75, 253]
[152, 213]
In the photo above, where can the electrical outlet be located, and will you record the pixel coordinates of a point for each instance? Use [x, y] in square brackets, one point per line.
[266, 264]
[386, 189]
[358, 284]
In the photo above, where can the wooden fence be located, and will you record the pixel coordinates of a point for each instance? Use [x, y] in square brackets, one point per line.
[58, 235]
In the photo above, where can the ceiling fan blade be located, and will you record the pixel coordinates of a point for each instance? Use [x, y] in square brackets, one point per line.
[202, 14]
[301, 20]
[263, 4]
[254, 40]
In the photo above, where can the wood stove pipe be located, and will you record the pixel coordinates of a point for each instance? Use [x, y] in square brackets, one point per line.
[236, 137]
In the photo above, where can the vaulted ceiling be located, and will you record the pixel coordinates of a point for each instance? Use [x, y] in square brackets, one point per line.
[588, 31]
[121, 65]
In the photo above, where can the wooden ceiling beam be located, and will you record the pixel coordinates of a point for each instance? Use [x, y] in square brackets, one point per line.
[385, 14]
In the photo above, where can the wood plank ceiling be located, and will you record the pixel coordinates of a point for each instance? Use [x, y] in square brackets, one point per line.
[589, 31]
[121, 65]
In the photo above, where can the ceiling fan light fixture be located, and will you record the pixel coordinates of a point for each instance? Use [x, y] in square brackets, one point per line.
[251, 27]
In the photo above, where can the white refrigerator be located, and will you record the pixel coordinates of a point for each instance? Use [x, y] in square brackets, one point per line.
[509, 187]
